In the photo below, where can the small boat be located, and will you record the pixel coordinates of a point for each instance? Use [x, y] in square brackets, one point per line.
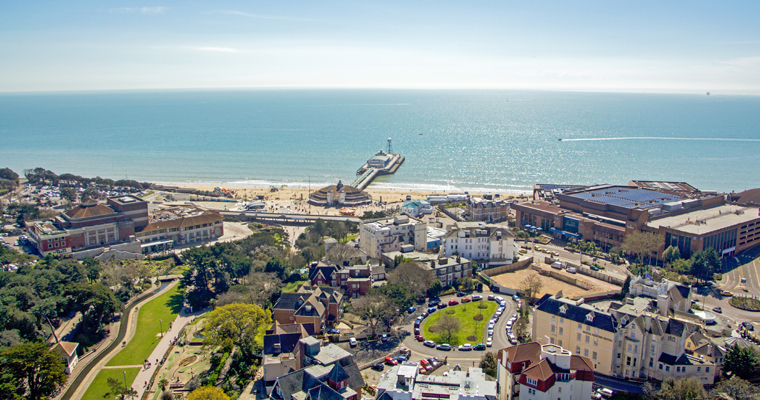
[420, 134]
[559, 140]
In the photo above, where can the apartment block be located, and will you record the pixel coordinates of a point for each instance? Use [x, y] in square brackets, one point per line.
[390, 234]
[490, 244]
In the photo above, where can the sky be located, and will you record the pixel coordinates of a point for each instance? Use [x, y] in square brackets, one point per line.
[640, 46]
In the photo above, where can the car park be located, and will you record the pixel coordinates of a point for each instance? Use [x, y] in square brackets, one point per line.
[429, 343]
[352, 342]
[509, 324]
[390, 361]
[378, 367]
[444, 347]
[465, 347]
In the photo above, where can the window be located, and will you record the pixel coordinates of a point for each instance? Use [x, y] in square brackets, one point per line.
[635, 348]
[618, 356]
[667, 368]
[596, 342]
[578, 337]
[553, 328]
[596, 331]
[634, 362]
[559, 390]
[577, 349]
[585, 352]
[660, 366]
[560, 330]
[628, 361]
[707, 369]
[678, 369]
[651, 362]
[652, 349]
[593, 356]
[561, 320]
[560, 343]
[588, 338]
[532, 382]
[579, 326]
[588, 328]
[554, 317]
[551, 340]
[699, 369]
[630, 347]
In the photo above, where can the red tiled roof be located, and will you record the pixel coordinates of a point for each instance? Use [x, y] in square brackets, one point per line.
[68, 347]
[522, 352]
[580, 363]
[540, 371]
[88, 210]
[209, 217]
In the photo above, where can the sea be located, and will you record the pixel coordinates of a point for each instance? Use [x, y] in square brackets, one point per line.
[453, 140]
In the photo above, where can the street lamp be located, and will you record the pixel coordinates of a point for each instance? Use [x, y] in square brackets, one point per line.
[125, 381]
[161, 324]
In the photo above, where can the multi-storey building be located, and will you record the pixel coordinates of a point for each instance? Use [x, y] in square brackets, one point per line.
[403, 382]
[320, 306]
[180, 226]
[92, 224]
[490, 244]
[534, 371]
[446, 269]
[385, 235]
[488, 210]
[416, 208]
[354, 281]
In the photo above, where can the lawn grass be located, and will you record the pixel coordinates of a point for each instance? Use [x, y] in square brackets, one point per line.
[99, 386]
[349, 238]
[292, 286]
[164, 308]
[469, 326]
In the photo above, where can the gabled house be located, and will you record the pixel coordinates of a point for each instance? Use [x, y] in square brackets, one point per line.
[68, 352]
[319, 306]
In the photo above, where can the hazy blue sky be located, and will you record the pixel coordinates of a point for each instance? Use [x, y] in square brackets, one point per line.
[663, 46]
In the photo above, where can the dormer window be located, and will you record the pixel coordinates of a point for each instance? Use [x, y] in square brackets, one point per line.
[563, 309]
[590, 317]
[624, 321]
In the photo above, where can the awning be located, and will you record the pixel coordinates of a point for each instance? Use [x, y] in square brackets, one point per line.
[148, 244]
[566, 233]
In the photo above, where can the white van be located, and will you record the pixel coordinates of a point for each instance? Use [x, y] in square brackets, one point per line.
[557, 265]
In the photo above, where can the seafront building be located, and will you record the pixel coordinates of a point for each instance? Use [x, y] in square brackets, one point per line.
[685, 217]
[339, 195]
[416, 208]
[543, 372]
[386, 235]
[491, 209]
[492, 245]
[183, 225]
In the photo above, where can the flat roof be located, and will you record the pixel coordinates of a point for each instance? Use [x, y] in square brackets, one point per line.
[704, 221]
[625, 196]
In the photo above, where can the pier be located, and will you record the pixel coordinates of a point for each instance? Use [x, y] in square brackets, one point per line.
[383, 163]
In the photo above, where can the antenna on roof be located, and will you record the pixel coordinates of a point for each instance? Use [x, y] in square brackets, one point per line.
[390, 149]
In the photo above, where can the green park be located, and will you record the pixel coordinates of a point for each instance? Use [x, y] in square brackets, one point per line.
[464, 323]
[152, 319]
[99, 389]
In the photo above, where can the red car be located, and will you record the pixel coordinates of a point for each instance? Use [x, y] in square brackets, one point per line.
[453, 302]
[390, 361]
[466, 300]
[420, 338]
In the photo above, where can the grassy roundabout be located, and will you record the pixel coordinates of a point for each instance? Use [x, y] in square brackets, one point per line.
[99, 386]
[471, 330]
[165, 308]
[745, 303]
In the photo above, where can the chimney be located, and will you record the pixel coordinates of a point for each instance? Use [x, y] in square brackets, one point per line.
[432, 263]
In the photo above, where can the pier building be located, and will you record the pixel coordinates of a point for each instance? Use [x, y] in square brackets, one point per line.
[339, 195]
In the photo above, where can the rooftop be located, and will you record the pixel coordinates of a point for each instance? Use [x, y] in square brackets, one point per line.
[625, 196]
[708, 220]
[330, 354]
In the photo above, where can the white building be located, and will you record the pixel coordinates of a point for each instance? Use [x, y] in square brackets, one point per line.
[532, 371]
[415, 208]
[403, 382]
[491, 244]
[389, 234]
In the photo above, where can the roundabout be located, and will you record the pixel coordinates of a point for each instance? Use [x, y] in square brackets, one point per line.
[469, 326]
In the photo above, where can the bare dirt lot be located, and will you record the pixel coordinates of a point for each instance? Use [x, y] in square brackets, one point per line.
[552, 285]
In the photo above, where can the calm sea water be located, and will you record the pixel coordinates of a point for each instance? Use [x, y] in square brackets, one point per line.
[457, 140]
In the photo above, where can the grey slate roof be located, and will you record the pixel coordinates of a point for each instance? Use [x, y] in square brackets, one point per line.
[601, 320]
[675, 327]
[337, 373]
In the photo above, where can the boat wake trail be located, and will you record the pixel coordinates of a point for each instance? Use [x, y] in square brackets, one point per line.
[660, 138]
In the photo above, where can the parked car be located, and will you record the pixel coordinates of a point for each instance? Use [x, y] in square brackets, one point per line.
[390, 361]
[453, 302]
[477, 297]
[333, 331]
[748, 326]
[417, 323]
[491, 324]
[490, 297]
[718, 310]
[420, 338]
[489, 342]
[416, 331]
[461, 294]
[424, 362]
[352, 342]
[429, 343]
[466, 300]
[490, 331]
[571, 270]
[465, 347]
[431, 310]
[378, 367]
[433, 302]
[385, 337]
[441, 306]
[479, 346]
[412, 309]
[516, 298]
[594, 268]
[499, 299]
[444, 347]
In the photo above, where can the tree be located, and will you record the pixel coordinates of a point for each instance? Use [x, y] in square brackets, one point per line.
[735, 388]
[91, 193]
[376, 309]
[35, 368]
[643, 244]
[671, 254]
[467, 284]
[681, 389]
[742, 362]
[435, 288]
[8, 174]
[704, 263]
[488, 364]
[412, 275]
[117, 389]
[236, 325]
[69, 194]
[207, 393]
[532, 285]
[448, 326]
[163, 384]
[341, 252]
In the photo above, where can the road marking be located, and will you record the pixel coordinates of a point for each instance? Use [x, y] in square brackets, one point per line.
[754, 268]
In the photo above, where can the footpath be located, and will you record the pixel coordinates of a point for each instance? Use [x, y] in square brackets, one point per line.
[130, 333]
